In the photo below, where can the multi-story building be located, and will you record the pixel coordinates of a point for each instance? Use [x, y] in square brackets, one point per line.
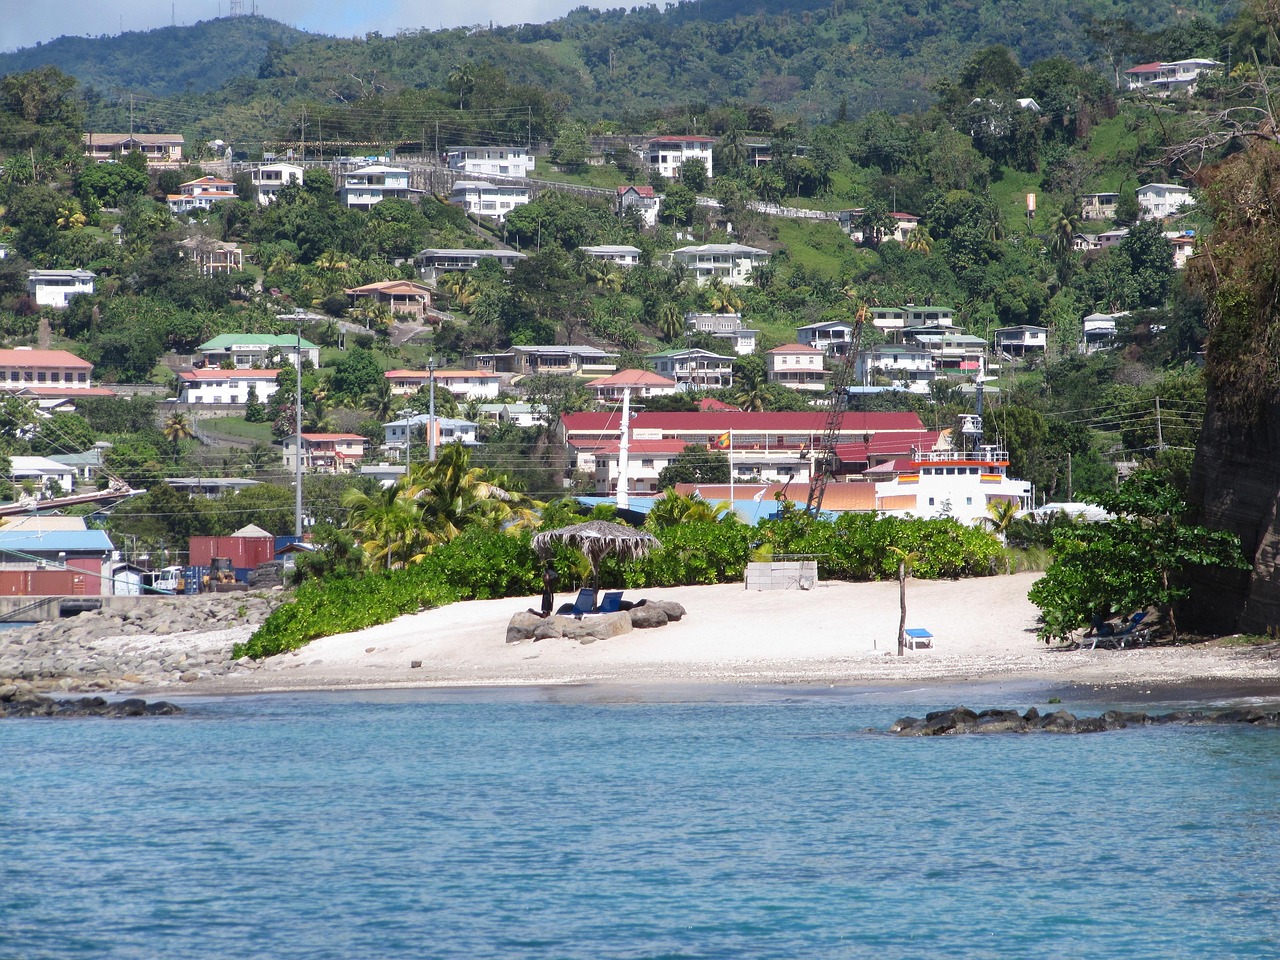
[201, 194]
[1162, 79]
[693, 368]
[909, 368]
[724, 326]
[832, 337]
[621, 254]
[667, 155]
[269, 178]
[401, 297]
[324, 452]
[641, 199]
[731, 263]
[368, 186]
[434, 263]
[796, 366]
[226, 386]
[211, 256]
[1099, 206]
[465, 384]
[491, 161]
[482, 199]
[1160, 200]
[571, 359]
[246, 350]
[55, 288]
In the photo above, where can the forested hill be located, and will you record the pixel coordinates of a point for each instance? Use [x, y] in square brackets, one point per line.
[162, 62]
[811, 59]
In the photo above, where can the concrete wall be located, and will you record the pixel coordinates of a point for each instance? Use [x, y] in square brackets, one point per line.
[782, 575]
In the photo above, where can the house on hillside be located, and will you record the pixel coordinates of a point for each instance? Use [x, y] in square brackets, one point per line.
[401, 297]
[245, 350]
[330, 453]
[481, 199]
[48, 477]
[269, 178]
[368, 186]
[899, 318]
[666, 155]
[463, 384]
[434, 263]
[55, 288]
[407, 432]
[161, 150]
[1160, 200]
[957, 355]
[621, 254]
[730, 263]
[724, 326]
[572, 359]
[641, 383]
[832, 337]
[1099, 206]
[1020, 340]
[201, 194]
[909, 368]
[491, 161]
[641, 199]
[1162, 79]
[211, 256]
[796, 366]
[225, 386]
[693, 368]
[903, 224]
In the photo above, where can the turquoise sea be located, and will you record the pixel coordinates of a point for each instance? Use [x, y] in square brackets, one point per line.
[589, 823]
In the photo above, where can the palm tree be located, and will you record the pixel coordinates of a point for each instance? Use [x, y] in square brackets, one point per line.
[919, 240]
[381, 400]
[387, 525]
[750, 391]
[673, 509]
[670, 321]
[1063, 227]
[178, 428]
[259, 457]
[721, 298]
[731, 150]
[906, 560]
[463, 79]
[70, 217]
[1001, 513]
[453, 495]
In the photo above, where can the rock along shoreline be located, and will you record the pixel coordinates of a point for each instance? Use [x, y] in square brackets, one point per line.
[958, 721]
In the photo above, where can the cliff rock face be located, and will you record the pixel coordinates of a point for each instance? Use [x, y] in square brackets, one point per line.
[1236, 484]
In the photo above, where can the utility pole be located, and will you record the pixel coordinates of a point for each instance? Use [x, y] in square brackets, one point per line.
[297, 423]
[1159, 427]
[408, 415]
[1069, 485]
[431, 410]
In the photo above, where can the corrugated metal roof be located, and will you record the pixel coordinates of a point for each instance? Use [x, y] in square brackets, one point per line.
[55, 541]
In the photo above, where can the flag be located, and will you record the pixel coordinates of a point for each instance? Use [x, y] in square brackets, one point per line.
[759, 494]
[723, 441]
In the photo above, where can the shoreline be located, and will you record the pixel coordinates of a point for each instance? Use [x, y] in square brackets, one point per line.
[834, 636]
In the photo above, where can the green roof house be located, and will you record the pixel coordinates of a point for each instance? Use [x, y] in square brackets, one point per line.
[247, 350]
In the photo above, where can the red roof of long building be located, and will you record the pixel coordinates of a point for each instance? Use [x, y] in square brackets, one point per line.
[43, 358]
[718, 421]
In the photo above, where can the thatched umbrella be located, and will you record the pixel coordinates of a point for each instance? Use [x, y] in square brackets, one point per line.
[597, 539]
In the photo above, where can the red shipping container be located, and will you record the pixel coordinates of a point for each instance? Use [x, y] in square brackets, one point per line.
[48, 583]
[243, 552]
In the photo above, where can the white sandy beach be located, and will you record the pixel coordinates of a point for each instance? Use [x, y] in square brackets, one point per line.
[838, 633]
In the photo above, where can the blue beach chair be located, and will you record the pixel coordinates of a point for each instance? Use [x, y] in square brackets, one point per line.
[918, 637]
[1119, 639]
[611, 602]
[585, 603]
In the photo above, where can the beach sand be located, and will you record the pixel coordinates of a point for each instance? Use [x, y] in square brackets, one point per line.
[836, 634]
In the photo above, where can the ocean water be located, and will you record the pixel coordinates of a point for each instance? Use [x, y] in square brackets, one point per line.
[586, 823]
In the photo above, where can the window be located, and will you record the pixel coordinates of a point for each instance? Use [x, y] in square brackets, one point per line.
[968, 501]
[646, 463]
[931, 501]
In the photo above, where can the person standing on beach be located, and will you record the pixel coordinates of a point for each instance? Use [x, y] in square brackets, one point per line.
[549, 579]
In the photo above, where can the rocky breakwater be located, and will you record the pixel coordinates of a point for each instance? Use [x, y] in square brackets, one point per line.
[21, 700]
[962, 720]
[154, 643]
[646, 614]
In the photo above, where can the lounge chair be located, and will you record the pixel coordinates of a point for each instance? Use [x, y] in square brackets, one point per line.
[1119, 639]
[918, 637]
[611, 602]
[585, 603]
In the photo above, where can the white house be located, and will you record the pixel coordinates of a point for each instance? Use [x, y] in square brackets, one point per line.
[833, 336]
[667, 155]
[912, 315]
[1099, 331]
[43, 473]
[621, 254]
[796, 366]
[641, 383]
[643, 200]
[909, 368]
[955, 354]
[1184, 246]
[724, 326]
[903, 224]
[465, 384]
[491, 161]
[1017, 341]
[483, 199]
[225, 386]
[246, 350]
[1162, 79]
[269, 178]
[521, 414]
[433, 263]
[573, 359]
[396, 434]
[55, 288]
[731, 263]
[201, 194]
[368, 186]
[693, 368]
[1160, 200]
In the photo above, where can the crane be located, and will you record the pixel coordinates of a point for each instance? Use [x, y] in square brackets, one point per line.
[824, 461]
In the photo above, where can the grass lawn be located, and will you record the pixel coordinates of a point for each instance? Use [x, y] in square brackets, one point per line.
[239, 427]
[820, 246]
[606, 177]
